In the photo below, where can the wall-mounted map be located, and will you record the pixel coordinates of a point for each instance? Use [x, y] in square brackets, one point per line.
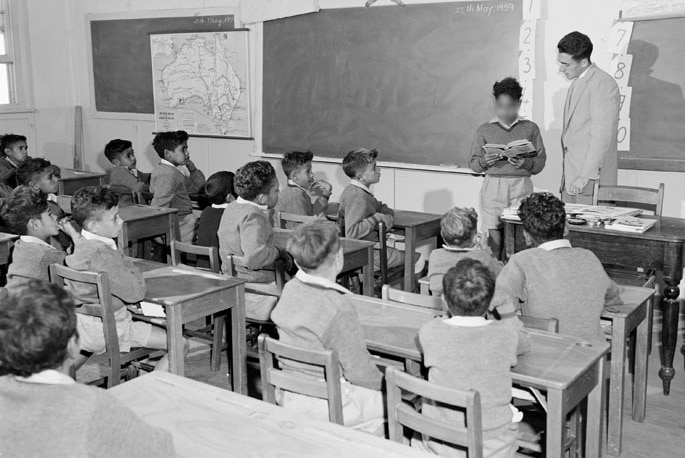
[201, 83]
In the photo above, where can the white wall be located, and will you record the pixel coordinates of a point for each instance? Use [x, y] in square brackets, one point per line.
[59, 61]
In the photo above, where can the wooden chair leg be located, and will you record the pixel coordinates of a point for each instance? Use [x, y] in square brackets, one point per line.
[217, 341]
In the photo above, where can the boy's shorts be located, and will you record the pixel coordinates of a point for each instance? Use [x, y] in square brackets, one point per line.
[132, 334]
[499, 193]
[187, 226]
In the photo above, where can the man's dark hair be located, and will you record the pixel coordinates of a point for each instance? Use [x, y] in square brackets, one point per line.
[576, 45]
[24, 204]
[168, 141]
[115, 147]
[253, 179]
[294, 160]
[543, 216]
[468, 288]
[89, 200]
[508, 86]
[218, 186]
[30, 168]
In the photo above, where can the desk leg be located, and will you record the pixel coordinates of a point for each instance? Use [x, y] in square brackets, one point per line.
[174, 339]
[595, 407]
[409, 248]
[172, 230]
[367, 273]
[556, 424]
[669, 333]
[238, 342]
[122, 240]
[616, 386]
[641, 365]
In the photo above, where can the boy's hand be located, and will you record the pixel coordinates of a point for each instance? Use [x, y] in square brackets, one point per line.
[321, 187]
[68, 228]
[191, 165]
[491, 158]
[388, 220]
[517, 162]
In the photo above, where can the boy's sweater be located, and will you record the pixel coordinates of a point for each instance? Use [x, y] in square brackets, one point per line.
[494, 132]
[474, 357]
[122, 176]
[72, 420]
[321, 317]
[443, 259]
[8, 171]
[168, 186]
[359, 210]
[566, 283]
[245, 231]
[296, 200]
[31, 261]
[195, 180]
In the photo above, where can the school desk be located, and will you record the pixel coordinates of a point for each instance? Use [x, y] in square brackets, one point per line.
[358, 254]
[207, 421]
[633, 314]
[567, 369]
[72, 180]
[144, 221]
[416, 226]
[188, 294]
[660, 248]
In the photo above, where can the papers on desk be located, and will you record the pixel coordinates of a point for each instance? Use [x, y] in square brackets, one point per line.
[596, 212]
[630, 224]
[152, 310]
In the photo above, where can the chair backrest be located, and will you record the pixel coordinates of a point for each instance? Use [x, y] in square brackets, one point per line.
[631, 196]
[273, 378]
[125, 193]
[420, 300]
[104, 310]
[210, 253]
[543, 324]
[401, 414]
[281, 219]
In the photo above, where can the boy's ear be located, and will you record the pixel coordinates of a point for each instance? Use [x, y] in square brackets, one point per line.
[116, 161]
[73, 347]
[530, 241]
[229, 198]
[32, 224]
[261, 199]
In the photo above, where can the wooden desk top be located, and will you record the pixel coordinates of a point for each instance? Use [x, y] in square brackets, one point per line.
[405, 218]
[554, 361]
[72, 174]
[136, 212]
[210, 422]
[281, 237]
[171, 285]
[632, 297]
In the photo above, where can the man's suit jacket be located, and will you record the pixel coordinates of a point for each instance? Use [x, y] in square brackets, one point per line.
[588, 139]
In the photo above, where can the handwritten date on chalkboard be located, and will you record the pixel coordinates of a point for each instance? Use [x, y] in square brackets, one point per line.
[485, 8]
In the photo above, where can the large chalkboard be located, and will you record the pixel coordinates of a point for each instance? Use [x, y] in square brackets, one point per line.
[122, 68]
[414, 82]
[657, 109]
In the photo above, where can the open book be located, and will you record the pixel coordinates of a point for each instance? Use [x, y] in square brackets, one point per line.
[517, 148]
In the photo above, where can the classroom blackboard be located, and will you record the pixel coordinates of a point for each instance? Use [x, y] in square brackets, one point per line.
[414, 82]
[121, 63]
[657, 109]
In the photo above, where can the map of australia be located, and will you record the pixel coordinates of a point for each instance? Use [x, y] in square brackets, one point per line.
[201, 83]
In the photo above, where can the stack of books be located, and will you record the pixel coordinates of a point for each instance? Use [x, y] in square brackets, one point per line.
[589, 212]
[630, 224]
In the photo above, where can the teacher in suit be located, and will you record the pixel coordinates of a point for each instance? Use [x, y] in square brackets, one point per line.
[588, 138]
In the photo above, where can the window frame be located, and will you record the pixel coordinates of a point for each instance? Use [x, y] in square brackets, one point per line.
[18, 56]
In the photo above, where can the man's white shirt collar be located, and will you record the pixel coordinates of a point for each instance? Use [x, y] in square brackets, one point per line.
[32, 239]
[240, 200]
[496, 120]
[361, 185]
[585, 72]
[48, 377]
[468, 321]
[309, 279]
[106, 240]
[555, 244]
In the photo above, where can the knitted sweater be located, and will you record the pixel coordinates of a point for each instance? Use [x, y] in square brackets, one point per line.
[122, 176]
[442, 260]
[74, 420]
[494, 132]
[474, 358]
[8, 171]
[245, 231]
[31, 261]
[168, 187]
[358, 210]
[568, 284]
[320, 318]
[293, 199]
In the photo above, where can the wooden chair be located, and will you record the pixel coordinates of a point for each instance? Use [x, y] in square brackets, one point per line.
[120, 364]
[273, 378]
[389, 293]
[542, 324]
[389, 276]
[425, 286]
[285, 220]
[631, 196]
[125, 193]
[233, 261]
[401, 414]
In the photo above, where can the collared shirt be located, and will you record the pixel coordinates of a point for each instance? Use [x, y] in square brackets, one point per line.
[555, 244]
[361, 185]
[220, 205]
[48, 377]
[458, 249]
[468, 321]
[309, 279]
[585, 72]
[90, 236]
[240, 200]
[496, 120]
[32, 239]
[181, 168]
[292, 183]
[9, 159]
[52, 197]
[133, 172]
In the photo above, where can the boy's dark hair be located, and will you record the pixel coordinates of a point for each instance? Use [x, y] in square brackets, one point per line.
[168, 141]
[7, 140]
[458, 226]
[89, 200]
[357, 160]
[253, 179]
[115, 147]
[30, 168]
[577, 45]
[508, 86]
[311, 243]
[36, 323]
[218, 186]
[294, 160]
[543, 216]
[468, 288]
[24, 204]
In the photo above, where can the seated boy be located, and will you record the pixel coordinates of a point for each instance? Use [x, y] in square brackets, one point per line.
[40, 174]
[553, 279]
[120, 153]
[14, 152]
[26, 213]
[315, 313]
[219, 192]
[297, 197]
[96, 209]
[507, 181]
[360, 212]
[466, 351]
[44, 411]
[171, 178]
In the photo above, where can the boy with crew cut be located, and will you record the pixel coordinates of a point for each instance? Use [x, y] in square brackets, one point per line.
[120, 153]
[297, 196]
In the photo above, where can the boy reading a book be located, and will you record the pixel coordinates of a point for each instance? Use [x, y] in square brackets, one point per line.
[552, 279]
[507, 179]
